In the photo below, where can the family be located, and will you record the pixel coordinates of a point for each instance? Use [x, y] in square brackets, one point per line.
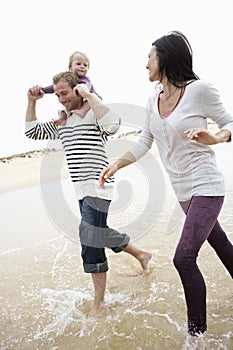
[176, 119]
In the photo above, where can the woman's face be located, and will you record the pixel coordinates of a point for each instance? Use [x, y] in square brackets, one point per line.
[153, 65]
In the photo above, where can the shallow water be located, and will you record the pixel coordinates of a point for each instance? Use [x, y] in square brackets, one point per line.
[45, 295]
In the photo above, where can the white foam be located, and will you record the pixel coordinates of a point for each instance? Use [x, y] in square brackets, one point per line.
[62, 306]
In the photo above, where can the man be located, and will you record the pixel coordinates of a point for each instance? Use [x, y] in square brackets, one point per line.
[83, 141]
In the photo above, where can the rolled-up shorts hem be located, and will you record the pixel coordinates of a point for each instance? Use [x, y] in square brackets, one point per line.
[119, 249]
[96, 268]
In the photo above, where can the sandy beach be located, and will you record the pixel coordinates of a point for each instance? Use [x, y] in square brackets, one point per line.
[44, 294]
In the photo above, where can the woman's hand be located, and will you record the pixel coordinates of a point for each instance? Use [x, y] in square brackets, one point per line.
[106, 173]
[109, 171]
[203, 136]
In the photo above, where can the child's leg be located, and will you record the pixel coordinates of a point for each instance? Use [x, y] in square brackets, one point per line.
[61, 120]
[81, 112]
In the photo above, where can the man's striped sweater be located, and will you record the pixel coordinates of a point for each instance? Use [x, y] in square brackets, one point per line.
[83, 140]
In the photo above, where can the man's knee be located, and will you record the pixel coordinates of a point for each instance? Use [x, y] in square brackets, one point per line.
[96, 268]
[119, 249]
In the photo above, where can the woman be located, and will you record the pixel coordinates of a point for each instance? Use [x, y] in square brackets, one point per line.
[177, 119]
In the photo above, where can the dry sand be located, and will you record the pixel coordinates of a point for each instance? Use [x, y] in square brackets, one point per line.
[23, 170]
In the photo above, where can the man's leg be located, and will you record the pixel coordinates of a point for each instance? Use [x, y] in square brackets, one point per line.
[94, 259]
[142, 256]
[99, 282]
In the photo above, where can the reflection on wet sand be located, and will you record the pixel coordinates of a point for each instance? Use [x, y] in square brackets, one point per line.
[45, 295]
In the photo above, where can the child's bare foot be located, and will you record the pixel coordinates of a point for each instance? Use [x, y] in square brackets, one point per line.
[80, 112]
[144, 260]
[61, 120]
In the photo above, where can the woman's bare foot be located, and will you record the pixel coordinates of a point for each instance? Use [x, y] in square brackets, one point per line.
[144, 259]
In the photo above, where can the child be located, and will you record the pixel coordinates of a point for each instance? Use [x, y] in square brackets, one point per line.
[79, 63]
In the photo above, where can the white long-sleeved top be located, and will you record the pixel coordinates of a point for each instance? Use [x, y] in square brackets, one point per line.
[83, 140]
[190, 165]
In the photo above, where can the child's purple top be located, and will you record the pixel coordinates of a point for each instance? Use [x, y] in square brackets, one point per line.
[50, 90]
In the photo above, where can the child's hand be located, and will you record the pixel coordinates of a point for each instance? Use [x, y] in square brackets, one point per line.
[82, 90]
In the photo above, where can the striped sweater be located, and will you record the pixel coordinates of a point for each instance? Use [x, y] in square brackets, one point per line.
[83, 140]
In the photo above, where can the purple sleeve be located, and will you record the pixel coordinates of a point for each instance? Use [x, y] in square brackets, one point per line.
[48, 89]
[90, 86]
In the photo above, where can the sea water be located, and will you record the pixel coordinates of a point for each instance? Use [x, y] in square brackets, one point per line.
[45, 295]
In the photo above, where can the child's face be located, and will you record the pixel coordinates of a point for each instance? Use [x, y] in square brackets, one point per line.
[79, 65]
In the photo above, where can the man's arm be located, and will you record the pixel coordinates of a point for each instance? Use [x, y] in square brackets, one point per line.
[33, 94]
[98, 108]
[34, 129]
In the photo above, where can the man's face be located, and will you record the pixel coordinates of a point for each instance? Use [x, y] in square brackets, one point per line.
[66, 96]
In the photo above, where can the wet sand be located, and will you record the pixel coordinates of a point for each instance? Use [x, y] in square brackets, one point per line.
[45, 295]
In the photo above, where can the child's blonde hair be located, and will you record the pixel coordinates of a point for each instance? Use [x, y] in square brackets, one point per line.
[78, 53]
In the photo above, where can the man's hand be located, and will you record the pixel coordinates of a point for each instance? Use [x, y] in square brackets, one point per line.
[35, 93]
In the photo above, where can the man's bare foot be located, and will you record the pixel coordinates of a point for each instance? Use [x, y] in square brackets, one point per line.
[144, 260]
[95, 310]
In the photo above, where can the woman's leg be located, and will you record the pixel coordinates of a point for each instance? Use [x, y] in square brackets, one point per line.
[222, 246]
[200, 220]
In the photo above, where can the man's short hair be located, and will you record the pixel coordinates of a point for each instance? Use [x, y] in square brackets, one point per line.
[71, 78]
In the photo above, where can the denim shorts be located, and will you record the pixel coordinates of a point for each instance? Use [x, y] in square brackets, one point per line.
[95, 235]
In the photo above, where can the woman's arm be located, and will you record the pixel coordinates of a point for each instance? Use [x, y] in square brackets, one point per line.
[213, 108]
[206, 137]
[122, 162]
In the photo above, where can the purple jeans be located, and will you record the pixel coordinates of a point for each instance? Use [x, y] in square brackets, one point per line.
[201, 224]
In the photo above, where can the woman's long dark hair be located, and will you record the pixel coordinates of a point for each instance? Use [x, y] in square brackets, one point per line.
[175, 58]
